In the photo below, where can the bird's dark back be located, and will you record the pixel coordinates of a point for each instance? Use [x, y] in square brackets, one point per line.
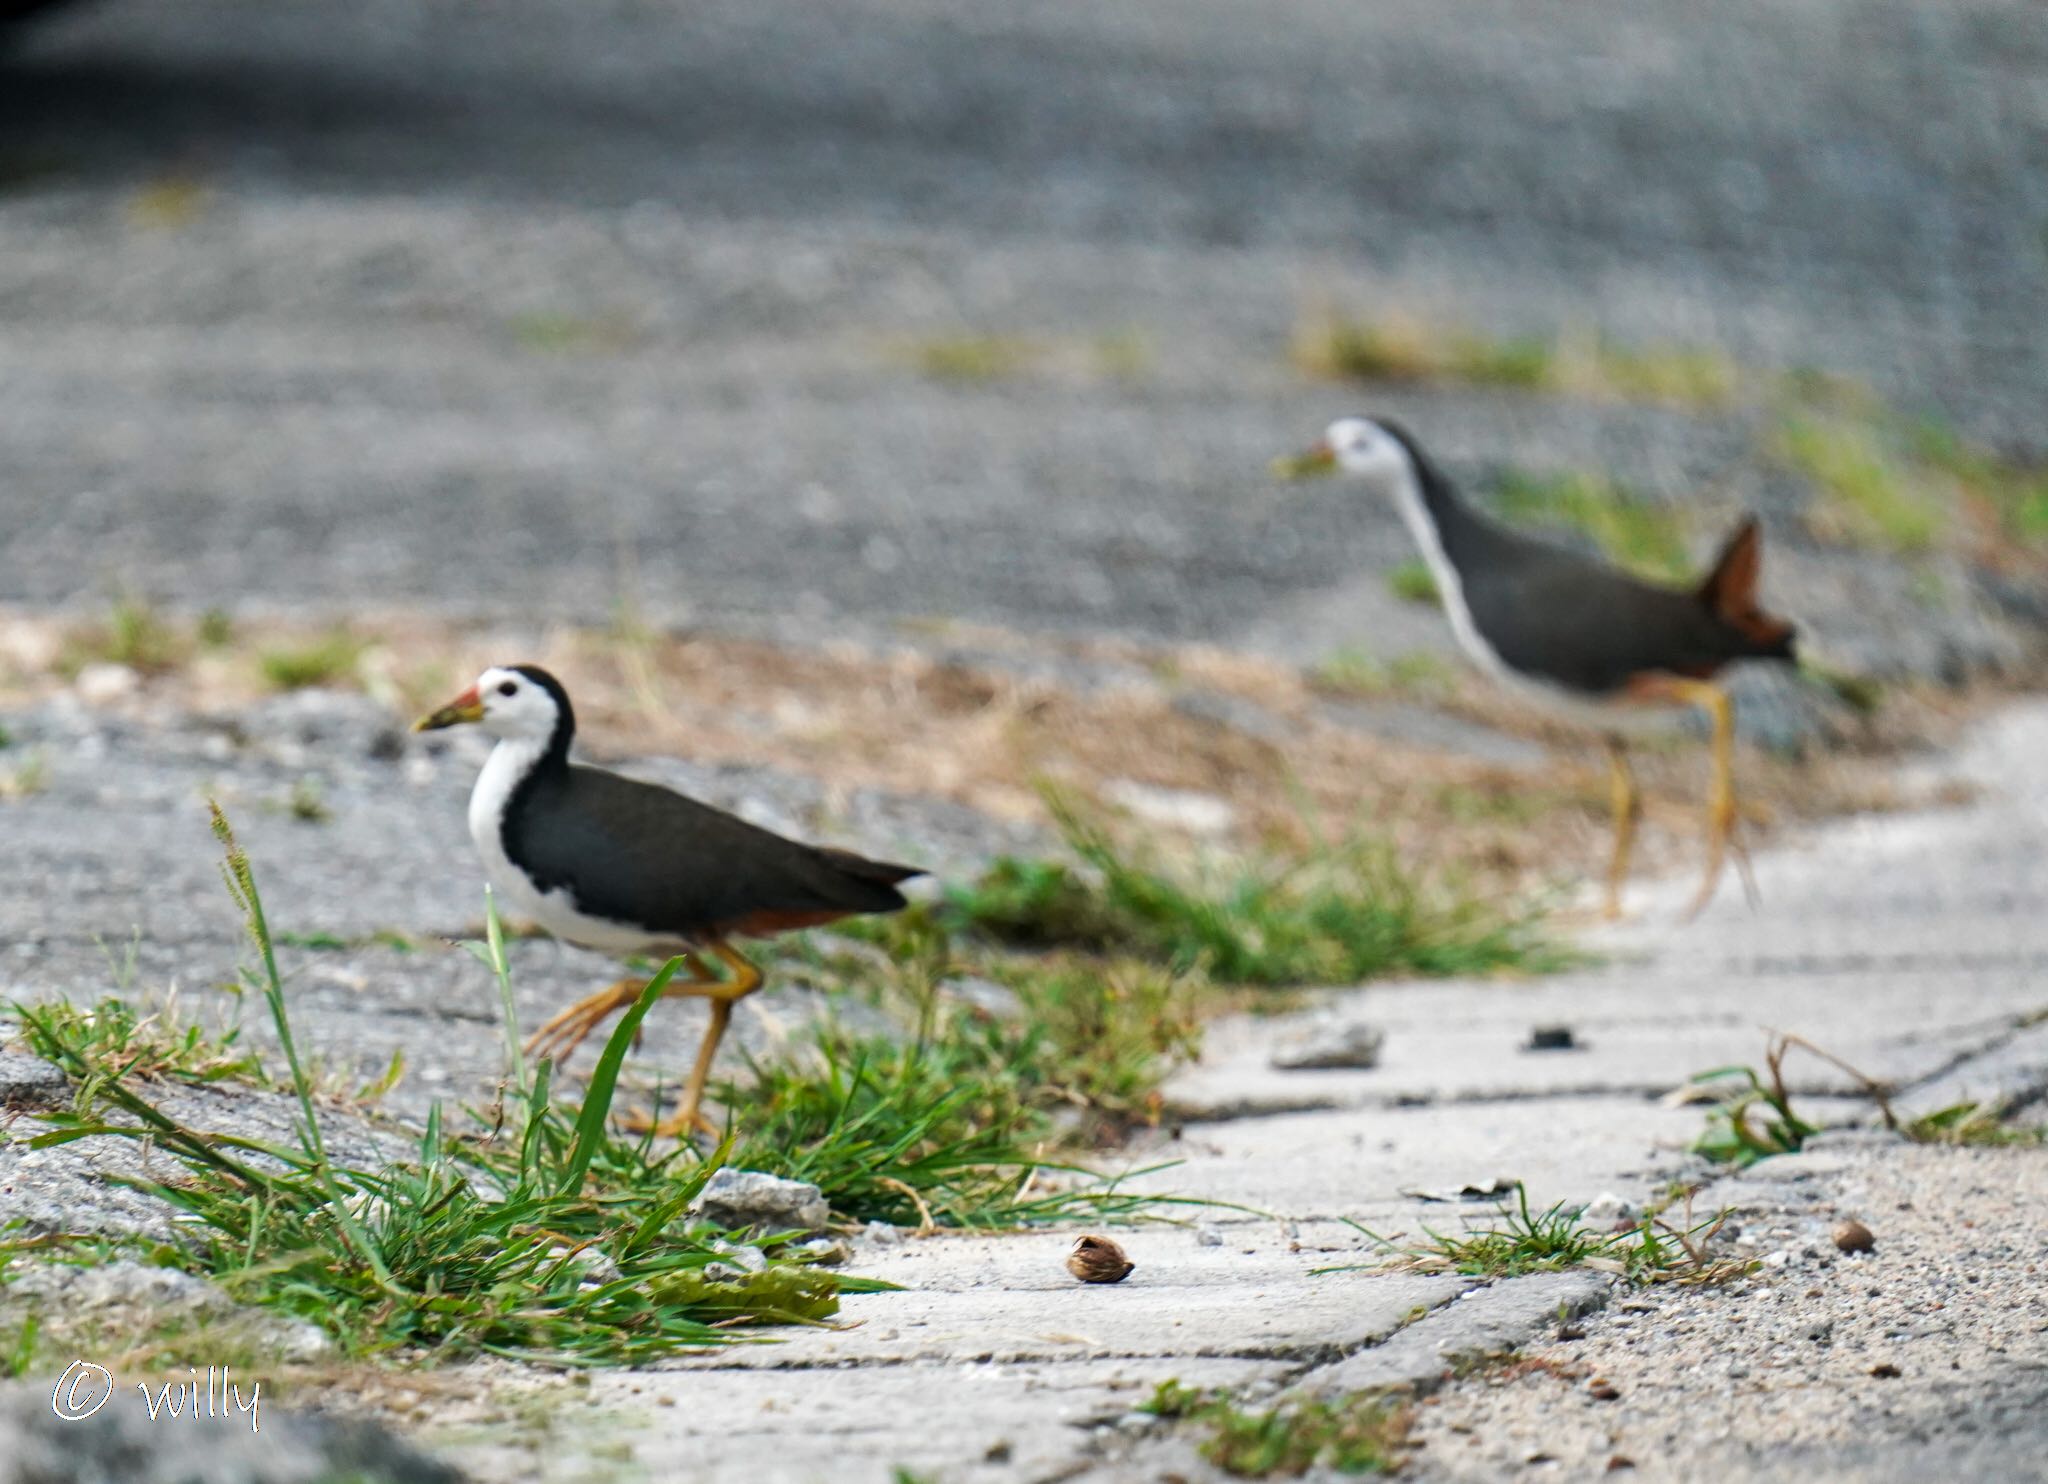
[1579, 623]
[639, 853]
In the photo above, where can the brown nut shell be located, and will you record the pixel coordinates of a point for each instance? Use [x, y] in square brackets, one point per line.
[1098, 1260]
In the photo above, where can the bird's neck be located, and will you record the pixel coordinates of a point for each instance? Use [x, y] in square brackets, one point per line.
[1445, 528]
[1435, 513]
[515, 765]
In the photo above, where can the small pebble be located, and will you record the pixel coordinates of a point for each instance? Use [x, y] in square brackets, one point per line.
[1602, 1389]
[1853, 1236]
[1886, 1371]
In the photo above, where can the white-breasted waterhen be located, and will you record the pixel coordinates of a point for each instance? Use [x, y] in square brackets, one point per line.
[1580, 637]
[633, 868]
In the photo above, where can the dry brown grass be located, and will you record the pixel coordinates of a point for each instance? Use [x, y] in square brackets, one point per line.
[900, 719]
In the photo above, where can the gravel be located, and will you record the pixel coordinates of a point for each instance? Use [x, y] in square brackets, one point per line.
[1932, 1342]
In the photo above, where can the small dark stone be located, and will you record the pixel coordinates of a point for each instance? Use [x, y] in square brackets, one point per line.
[1886, 1371]
[1552, 1038]
[1602, 1390]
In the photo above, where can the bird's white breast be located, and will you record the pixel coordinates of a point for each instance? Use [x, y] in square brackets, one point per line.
[509, 763]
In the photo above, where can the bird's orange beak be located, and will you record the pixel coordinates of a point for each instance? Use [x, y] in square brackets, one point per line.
[1317, 458]
[467, 707]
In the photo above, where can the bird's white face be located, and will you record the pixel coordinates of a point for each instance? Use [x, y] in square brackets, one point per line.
[1363, 448]
[514, 706]
[504, 703]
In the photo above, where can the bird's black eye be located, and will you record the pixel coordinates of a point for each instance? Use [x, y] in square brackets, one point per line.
[509, 688]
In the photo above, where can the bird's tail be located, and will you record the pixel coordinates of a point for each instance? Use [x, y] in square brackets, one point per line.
[1729, 593]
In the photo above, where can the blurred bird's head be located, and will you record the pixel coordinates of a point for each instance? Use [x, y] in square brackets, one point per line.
[1359, 446]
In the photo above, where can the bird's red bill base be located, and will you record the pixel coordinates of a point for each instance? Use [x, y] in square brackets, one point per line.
[467, 707]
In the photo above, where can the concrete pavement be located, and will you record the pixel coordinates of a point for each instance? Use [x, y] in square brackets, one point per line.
[1913, 946]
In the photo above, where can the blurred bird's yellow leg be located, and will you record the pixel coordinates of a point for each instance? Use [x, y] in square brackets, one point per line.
[1721, 799]
[568, 1030]
[1627, 808]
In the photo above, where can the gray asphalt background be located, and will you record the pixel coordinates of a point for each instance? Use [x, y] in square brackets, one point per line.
[474, 299]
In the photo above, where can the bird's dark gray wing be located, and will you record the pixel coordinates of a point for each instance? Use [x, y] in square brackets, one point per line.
[637, 853]
[1581, 624]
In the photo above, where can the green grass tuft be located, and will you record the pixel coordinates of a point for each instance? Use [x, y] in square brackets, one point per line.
[974, 359]
[563, 333]
[25, 779]
[1338, 348]
[1681, 376]
[328, 660]
[1346, 912]
[1861, 693]
[1755, 1122]
[216, 628]
[1646, 538]
[308, 802]
[972, 1118]
[1354, 672]
[1522, 1241]
[134, 634]
[1755, 1118]
[120, 1041]
[1972, 1125]
[2016, 495]
[548, 1240]
[1413, 582]
[1364, 1433]
[1868, 495]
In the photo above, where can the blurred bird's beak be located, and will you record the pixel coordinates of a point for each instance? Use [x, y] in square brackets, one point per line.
[467, 707]
[1317, 459]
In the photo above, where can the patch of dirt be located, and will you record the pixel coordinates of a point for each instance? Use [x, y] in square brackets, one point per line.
[1265, 757]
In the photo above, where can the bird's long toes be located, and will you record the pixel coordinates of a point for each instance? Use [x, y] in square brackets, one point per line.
[678, 1125]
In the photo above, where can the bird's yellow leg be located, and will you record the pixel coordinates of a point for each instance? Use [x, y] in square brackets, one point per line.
[1720, 711]
[561, 1035]
[746, 978]
[1627, 807]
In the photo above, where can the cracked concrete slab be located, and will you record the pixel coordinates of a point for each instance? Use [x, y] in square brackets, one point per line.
[981, 1300]
[1634, 1033]
[1354, 1162]
[1027, 1420]
[1497, 1319]
[2012, 1074]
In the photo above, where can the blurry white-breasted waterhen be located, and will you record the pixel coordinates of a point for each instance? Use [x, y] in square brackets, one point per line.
[633, 868]
[1578, 636]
